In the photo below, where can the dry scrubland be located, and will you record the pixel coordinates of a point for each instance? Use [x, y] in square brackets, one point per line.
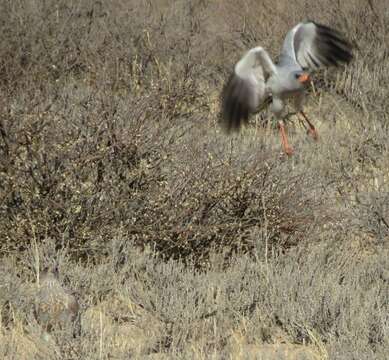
[180, 242]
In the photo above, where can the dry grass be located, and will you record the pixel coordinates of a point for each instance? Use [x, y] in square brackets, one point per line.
[180, 242]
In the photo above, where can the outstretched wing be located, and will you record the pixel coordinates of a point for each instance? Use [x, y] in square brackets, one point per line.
[313, 45]
[245, 90]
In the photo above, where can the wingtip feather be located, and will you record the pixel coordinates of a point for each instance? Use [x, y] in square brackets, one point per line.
[235, 109]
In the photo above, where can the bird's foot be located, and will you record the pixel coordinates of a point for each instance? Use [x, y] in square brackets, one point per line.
[288, 150]
[313, 133]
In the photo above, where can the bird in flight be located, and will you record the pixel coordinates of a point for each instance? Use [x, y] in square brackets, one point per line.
[256, 79]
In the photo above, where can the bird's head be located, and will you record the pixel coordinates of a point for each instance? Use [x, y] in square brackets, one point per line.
[302, 77]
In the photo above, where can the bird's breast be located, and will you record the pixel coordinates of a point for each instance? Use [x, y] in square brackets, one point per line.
[284, 86]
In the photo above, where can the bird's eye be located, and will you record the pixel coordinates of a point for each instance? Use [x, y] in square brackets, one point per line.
[296, 76]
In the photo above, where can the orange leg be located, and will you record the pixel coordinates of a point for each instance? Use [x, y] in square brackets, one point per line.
[312, 130]
[284, 140]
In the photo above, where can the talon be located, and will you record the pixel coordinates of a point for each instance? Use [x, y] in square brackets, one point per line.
[289, 151]
[313, 133]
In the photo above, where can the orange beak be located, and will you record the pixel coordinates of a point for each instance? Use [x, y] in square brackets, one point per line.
[303, 78]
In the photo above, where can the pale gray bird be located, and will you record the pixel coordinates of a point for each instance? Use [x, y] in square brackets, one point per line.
[54, 305]
[257, 80]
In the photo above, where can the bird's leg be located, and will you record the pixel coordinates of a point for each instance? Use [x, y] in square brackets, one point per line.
[284, 140]
[312, 130]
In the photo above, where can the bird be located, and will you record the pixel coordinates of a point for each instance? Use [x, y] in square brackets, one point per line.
[54, 305]
[257, 80]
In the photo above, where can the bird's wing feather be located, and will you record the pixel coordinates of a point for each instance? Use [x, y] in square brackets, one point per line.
[313, 45]
[245, 91]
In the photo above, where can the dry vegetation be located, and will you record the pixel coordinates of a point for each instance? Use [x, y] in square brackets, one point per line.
[180, 242]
